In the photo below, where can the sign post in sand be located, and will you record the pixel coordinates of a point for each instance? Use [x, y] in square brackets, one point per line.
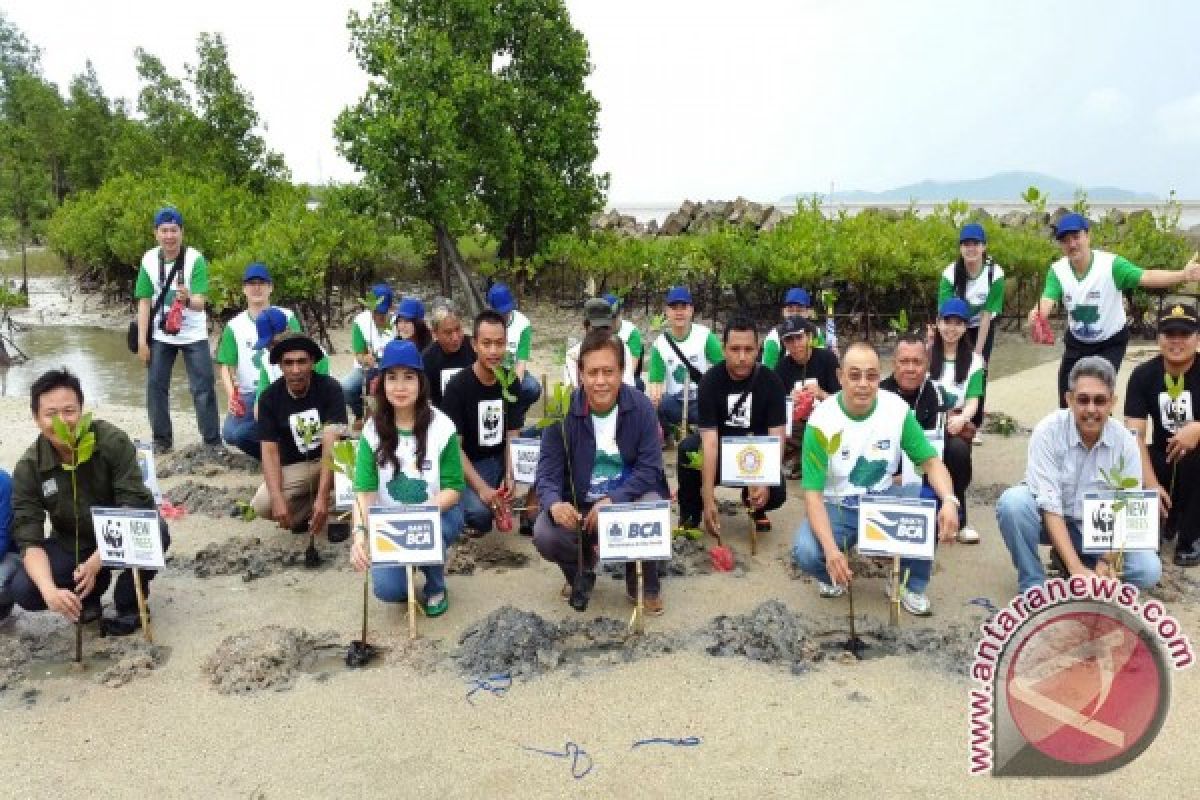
[635, 532]
[406, 536]
[897, 527]
[751, 461]
[130, 538]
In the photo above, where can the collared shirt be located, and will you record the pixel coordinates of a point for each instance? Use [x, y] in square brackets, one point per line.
[41, 487]
[1061, 468]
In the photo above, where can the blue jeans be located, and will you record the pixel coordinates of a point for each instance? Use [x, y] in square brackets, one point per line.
[391, 582]
[199, 365]
[1021, 525]
[670, 411]
[528, 392]
[476, 514]
[352, 389]
[242, 432]
[810, 557]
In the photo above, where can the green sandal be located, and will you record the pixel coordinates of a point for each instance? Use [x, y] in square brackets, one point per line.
[438, 608]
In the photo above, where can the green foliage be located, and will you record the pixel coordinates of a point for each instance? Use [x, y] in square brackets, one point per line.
[558, 403]
[80, 440]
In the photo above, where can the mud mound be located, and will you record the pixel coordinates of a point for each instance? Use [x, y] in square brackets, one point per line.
[200, 498]
[265, 658]
[770, 633]
[112, 662]
[423, 655]
[490, 552]
[14, 658]
[133, 658]
[202, 460]
[252, 558]
[1176, 585]
[508, 640]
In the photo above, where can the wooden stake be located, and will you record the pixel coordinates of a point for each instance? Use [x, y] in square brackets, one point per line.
[545, 394]
[895, 615]
[641, 599]
[141, 601]
[412, 602]
[753, 536]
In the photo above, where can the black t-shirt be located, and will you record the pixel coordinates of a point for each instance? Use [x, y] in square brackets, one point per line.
[440, 367]
[479, 413]
[283, 418]
[926, 402]
[1146, 396]
[763, 407]
[822, 365]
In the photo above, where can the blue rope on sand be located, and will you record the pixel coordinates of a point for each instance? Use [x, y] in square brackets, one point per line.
[983, 603]
[497, 685]
[581, 762]
[687, 741]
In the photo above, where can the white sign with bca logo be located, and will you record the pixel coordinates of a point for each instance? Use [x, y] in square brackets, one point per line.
[897, 526]
[128, 537]
[523, 453]
[635, 531]
[403, 535]
[751, 460]
[1124, 520]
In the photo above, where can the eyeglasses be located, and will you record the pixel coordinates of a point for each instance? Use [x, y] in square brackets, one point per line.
[1098, 400]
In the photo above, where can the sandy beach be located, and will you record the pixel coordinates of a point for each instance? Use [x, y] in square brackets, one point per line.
[894, 725]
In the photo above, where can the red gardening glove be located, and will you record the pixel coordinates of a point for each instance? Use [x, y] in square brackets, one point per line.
[236, 406]
[1041, 333]
[502, 511]
[802, 406]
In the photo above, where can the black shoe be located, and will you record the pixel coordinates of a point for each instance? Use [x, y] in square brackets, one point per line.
[121, 624]
[162, 449]
[1186, 556]
[91, 612]
[526, 528]
[338, 532]
[1057, 568]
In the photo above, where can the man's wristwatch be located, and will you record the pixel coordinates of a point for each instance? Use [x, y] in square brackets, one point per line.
[953, 499]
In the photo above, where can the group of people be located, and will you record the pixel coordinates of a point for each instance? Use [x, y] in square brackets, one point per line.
[435, 411]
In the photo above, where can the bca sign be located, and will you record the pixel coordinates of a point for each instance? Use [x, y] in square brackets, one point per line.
[635, 531]
[897, 526]
[405, 535]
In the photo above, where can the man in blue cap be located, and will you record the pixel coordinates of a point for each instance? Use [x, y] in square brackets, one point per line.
[236, 354]
[796, 303]
[1089, 284]
[171, 285]
[369, 333]
[679, 358]
[520, 345]
[631, 335]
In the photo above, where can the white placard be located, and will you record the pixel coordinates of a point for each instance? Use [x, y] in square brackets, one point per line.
[635, 531]
[908, 471]
[751, 460]
[128, 537]
[145, 459]
[523, 455]
[897, 526]
[405, 535]
[343, 492]
[1132, 525]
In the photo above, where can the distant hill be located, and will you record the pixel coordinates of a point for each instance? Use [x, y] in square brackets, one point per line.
[1001, 186]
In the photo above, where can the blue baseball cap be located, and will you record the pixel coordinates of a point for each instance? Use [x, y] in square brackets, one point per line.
[613, 301]
[269, 323]
[256, 272]
[410, 308]
[168, 215]
[972, 232]
[1069, 224]
[500, 297]
[955, 307]
[679, 294]
[384, 293]
[401, 353]
[797, 297]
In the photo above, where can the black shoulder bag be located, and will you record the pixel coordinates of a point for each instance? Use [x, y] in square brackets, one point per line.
[131, 336]
[693, 371]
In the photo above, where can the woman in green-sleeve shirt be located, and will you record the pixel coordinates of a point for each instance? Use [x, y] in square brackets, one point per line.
[958, 372]
[1089, 284]
[408, 455]
[976, 279]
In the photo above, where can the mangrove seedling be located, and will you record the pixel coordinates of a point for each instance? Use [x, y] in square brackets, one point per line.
[506, 374]
[1178, 417]
[1117, 481]
[80, 441]
[341, 461]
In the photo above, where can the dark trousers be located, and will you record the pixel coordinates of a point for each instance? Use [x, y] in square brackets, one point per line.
[1185, 504]
[62, 567]
[198, 362]
[957, 458]
[561, 546]
[1112, 350]
[973, 337]
[691, 484]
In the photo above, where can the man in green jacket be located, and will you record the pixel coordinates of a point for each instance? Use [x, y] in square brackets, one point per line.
[50, 577]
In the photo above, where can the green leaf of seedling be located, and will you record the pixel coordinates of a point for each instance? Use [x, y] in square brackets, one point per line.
[1129, 483]
[695, 460]
[508, 396]
[68, 467]
[1174, 385]
[85, 425]
[63, 432]
[87, 446]
[904, 580]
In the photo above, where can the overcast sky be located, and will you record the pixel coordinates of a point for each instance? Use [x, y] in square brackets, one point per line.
[712, 99]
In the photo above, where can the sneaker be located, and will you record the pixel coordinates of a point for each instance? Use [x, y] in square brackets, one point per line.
[762, 524]
[436, 605]
[915, 603]
[830, 590]
[968, 536]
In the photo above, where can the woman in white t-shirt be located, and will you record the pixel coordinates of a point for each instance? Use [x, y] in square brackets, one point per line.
[958, 372]
[408, 455]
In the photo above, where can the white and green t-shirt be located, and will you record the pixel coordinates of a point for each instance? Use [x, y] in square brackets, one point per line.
[956, 394]
[414, 483]
[236, 348]
[981, 294]
[608, 470]
[868, 448]
[1095, 312]
[631, 335]
[520, 336]
[366, 336]
[700, 346]
[193, 275]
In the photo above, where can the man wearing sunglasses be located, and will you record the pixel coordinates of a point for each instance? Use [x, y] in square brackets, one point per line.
[1067, 452]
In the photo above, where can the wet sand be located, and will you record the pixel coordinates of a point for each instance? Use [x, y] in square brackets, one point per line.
[404, 727]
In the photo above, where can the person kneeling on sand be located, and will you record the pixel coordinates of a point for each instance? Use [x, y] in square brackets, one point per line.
[408, 455]
[10, 555]
[51, 577]
[874, 427]
[604, 451]
[300, 417]
[1067, 452]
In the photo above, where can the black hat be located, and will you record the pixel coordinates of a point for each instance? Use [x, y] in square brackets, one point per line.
[296, 341]
[1178, 318]
[794, 326]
